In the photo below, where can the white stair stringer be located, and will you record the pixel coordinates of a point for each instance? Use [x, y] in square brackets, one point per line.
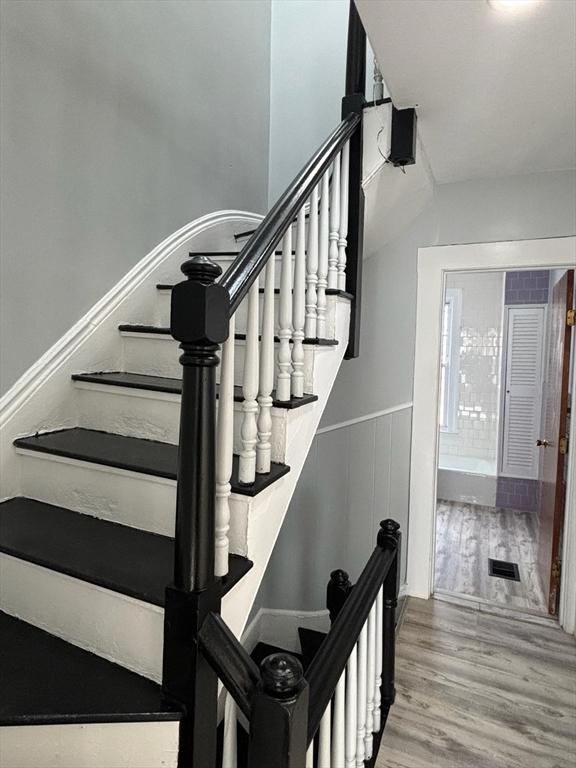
[120, 628]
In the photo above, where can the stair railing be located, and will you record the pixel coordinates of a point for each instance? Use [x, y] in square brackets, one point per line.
[204, 315]
[334, 715]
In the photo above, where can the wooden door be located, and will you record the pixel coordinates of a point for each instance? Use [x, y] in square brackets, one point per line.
[553, 440]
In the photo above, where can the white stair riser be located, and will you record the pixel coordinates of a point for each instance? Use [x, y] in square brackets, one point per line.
[116, 627]
[158, 355]
[163, 312]
[154, 415]
[130, 498]
[90, 745]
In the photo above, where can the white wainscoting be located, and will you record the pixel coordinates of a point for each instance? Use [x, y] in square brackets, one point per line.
[356, 474]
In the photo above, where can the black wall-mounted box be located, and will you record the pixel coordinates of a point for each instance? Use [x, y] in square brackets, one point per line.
[403, 139]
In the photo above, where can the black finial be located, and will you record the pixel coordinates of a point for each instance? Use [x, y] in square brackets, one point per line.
[388, 535]
[201, 268]
[282, 675]
[340, 578]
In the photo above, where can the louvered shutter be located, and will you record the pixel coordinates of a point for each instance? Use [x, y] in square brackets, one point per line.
[523, 381]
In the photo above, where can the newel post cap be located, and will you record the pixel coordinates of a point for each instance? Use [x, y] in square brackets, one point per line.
[340, 578]
[388, 535]
[200, 306]
[282, 675]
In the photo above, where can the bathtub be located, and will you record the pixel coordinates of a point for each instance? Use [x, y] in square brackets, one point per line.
[467, 479]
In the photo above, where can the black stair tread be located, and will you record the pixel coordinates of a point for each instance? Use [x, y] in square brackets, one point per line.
[163, 331]
[310, 642]
[126, 560]
[131, 453]
[329, 291]
[174, 386]
[261, 650]
[45, 680]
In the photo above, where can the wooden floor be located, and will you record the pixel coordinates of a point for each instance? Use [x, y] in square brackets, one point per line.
[468, 534]
[480, 691]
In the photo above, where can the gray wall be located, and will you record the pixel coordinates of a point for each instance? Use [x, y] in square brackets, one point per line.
[308, 65]
[357, 474]
[121, 122]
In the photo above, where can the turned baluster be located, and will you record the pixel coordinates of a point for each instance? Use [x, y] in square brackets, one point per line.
[249, 429]
[230, 748]
[224, 452]
[334, 235]
[361, 705]
[323, 240]
[285, 320]
[312, 267]
[378, 675]
[351, 707]
[370, 674]
[325, 738]
[339, 725]
[342, 240]
[264, 447]
[298, 310]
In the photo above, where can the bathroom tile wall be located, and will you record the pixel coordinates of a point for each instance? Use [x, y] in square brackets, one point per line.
[527, 287]
[480, 363]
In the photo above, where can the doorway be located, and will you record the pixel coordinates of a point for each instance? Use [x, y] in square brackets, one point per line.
[434, 264]
[502, 432]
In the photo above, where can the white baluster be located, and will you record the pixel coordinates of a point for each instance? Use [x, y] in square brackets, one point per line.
[323, 235]
[342, 241]
[298, 310]
[285, 320]
[351, 707]
[378, 675]
[310, 756]
[338, 725]
[264, 447]
[249, 430]
[224, 451]
[325, 739]
[229, 754]
[312, 267]
[370, 674]
[361, 703]
[334, 224]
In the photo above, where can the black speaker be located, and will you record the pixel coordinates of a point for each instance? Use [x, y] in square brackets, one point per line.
[403, 139]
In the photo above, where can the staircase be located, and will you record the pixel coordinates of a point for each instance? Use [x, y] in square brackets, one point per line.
[148, 461]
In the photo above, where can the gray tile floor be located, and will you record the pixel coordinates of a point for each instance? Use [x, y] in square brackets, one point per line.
[467, 535]
[476, 690]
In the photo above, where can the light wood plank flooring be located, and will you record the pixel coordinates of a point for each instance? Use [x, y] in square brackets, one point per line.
[468, 534]
[480, 691]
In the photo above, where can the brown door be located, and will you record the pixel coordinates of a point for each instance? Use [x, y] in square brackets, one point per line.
[554, 436]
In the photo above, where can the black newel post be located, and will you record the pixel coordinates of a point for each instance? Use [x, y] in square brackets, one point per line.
[338, 589]
[279, 722]
[389, 538]
[354, 101]
[199, 321]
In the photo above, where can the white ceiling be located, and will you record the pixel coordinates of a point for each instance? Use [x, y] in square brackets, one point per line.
[496, 91]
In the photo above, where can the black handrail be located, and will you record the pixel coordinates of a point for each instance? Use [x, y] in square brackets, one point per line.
[253, 257]
[228, 658]
[330, 660]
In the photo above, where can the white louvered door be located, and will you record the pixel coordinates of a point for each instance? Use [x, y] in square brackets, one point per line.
[523, 388]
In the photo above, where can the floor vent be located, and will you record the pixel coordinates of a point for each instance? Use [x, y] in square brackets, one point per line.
[503, 569]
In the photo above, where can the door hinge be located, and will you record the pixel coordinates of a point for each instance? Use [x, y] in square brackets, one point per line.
[556, 569]
[563, 446]
[571, 318]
